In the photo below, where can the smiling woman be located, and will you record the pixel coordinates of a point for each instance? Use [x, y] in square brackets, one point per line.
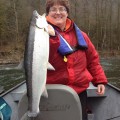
[72, 54]
[58, 15]
[57, 12]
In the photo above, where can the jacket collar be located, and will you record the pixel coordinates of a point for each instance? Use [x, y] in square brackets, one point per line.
[69, 23]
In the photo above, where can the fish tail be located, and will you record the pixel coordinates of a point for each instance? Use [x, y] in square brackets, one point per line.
[32, 114]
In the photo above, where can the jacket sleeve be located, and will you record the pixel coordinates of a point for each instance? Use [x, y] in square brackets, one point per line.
[93, 63]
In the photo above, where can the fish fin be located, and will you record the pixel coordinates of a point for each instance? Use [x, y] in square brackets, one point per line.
[45, 94]
[50, 67]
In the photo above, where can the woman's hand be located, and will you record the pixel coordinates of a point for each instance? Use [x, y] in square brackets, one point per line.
[51, 30]
[100, 89]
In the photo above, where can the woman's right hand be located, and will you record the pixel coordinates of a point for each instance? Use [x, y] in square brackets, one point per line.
[51, 30]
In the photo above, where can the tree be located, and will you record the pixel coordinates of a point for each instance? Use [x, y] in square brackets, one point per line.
[3, 23]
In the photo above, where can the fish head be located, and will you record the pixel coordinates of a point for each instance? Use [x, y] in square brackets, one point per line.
[39, 21]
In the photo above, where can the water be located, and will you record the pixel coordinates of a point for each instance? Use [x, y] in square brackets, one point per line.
[111, 67]
[9, 76]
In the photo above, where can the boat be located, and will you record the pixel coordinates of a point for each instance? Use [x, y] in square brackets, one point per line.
[63, 103]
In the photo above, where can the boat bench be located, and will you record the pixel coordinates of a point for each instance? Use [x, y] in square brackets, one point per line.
[62, 103]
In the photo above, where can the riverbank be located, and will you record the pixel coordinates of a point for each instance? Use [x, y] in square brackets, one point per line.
[109, 54]
[10, 59]
[17, 57]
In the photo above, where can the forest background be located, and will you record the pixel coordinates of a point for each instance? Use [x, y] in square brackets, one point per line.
[100, 19]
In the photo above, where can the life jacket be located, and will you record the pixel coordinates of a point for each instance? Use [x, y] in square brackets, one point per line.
[65, 48]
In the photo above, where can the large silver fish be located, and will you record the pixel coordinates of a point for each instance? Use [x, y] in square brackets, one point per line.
[36, 62]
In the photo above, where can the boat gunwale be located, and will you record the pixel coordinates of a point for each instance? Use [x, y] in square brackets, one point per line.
[116, 88]
[11, 89]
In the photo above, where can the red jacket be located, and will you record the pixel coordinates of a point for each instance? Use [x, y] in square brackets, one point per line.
[82, 66]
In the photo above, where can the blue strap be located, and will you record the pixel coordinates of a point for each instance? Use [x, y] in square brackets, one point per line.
[5, 109]
[80, 38]
[65, 48]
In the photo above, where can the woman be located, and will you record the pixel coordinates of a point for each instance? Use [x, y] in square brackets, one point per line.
[72, 54]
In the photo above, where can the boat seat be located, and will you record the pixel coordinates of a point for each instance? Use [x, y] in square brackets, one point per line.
[62, 103]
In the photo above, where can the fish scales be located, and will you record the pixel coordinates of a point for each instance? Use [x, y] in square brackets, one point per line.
[36, 61]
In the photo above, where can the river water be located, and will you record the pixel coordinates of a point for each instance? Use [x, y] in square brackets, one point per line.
[9, 77]
[111, 67]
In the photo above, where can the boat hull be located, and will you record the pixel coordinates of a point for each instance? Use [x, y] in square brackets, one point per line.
[106, 107]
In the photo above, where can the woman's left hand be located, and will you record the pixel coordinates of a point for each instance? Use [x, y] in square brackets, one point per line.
[100, 89]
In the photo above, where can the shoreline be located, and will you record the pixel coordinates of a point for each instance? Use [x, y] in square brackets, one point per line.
[6, 60]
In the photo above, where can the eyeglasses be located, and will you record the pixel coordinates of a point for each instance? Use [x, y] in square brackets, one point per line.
[55, 10]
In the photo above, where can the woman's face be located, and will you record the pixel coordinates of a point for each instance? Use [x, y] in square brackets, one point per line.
[58, 15]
